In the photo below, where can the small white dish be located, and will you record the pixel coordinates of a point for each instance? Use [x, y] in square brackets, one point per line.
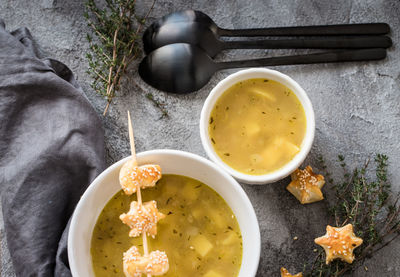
[106, 185]
[253, 73]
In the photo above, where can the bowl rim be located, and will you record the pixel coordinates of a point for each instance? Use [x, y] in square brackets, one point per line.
[73, 228]
[270, 74]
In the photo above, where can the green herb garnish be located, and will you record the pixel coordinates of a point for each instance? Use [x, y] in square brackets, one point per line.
[364, 202]
[115, 44]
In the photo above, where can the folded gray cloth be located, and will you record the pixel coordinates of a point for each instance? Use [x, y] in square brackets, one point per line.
[51, 148]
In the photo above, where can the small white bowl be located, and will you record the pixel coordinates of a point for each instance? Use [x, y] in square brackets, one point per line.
[172, 162]
[253, 73]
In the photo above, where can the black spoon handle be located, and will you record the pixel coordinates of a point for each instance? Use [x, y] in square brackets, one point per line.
[326, 57]
[321, 30]
[324, 42]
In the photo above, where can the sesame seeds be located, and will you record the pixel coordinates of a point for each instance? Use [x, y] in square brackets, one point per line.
[131, 176]
[306, 185]
[142, 218]
[339, 243]
[155, 263]
[307, 178]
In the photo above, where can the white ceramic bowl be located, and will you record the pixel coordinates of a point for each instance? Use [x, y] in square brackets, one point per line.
[171, 162]
[252, 73]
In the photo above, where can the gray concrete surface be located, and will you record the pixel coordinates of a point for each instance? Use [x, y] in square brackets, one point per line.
[356, 105]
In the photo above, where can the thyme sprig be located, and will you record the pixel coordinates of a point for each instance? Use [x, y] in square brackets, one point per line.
[159, 105]
[365, 204]
[115, 44]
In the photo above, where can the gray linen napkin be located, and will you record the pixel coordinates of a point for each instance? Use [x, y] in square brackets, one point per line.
[51, 148]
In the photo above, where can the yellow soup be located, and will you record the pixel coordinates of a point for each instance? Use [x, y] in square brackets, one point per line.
[257, 126]
[200, 234]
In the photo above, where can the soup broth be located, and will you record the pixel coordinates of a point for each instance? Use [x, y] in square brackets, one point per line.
[200, 233]
[257, 126]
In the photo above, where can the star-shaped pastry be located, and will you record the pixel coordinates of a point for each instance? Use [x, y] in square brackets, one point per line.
[131, 176]
[339, 243]
[155, 263]
[306, 185]
[285, 273]
[142, 218]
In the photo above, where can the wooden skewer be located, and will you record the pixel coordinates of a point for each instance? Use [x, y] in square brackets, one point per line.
[132, 139]
[138, 192]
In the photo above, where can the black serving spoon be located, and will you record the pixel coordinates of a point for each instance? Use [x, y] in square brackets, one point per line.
[184, 68]
[181, 18]
[201, 36]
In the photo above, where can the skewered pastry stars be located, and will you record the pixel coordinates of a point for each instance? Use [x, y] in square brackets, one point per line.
[142, 218]
[132, 176]
[339, 243]
[156, 263]
[285, 273]
[306, 185]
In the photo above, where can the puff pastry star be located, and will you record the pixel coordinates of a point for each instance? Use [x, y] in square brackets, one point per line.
[306, 185]
[339, 243]
[131, 176]
[285, 273]
[142, 218]
[156, 263]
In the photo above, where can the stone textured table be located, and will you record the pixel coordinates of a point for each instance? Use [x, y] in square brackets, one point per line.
[356, 105]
